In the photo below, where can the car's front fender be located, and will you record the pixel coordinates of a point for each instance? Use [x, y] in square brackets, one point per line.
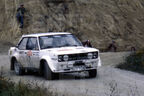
[13, 52]
[51, 63]
[99, 62]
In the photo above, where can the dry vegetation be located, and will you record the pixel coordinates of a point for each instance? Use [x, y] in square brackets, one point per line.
[8, 88]
[114, 90]
[98, 20]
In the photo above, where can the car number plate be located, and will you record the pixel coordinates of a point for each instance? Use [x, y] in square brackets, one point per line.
[80, 68]
[79, 63]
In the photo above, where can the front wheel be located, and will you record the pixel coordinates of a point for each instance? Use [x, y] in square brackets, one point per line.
[17, 68]
[92, 73]
[48, 74]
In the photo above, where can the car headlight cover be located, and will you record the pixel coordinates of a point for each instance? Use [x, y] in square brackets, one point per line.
[95, 55]
[90, 55]
[65, 57]
[60, 58]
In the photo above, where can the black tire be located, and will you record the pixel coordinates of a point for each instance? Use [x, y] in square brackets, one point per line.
[48, 74]
[18, 70]
[92, 73]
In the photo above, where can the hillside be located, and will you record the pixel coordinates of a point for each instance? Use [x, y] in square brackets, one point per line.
[100, 21]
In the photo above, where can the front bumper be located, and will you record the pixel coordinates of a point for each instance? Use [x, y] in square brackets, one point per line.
[76, 66]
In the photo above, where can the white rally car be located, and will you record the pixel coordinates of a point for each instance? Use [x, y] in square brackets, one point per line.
[53, 53]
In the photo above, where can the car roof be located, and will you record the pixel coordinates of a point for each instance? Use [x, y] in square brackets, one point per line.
[45, 34]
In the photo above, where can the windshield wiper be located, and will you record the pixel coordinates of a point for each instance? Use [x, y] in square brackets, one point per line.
[75, 45]
[67, 46]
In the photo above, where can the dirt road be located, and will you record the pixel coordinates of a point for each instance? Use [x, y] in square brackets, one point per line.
[124, 83]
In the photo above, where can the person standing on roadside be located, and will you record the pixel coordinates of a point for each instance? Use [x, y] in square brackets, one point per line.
[112, 47]
[20, 15]
[87, 43]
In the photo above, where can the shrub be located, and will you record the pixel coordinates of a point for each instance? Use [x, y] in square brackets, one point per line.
[8, 88]
[134, 62]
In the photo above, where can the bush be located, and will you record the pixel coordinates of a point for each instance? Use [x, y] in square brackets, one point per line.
[134, 62]
[8, 88]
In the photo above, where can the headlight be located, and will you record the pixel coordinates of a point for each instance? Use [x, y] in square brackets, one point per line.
[90, 55]
[95, 55]
[60, 58]
[65, 57]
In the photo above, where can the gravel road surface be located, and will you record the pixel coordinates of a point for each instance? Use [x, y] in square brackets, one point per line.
[123, 83]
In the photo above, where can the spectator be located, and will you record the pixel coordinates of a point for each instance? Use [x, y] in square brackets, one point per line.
[112, 47]
[133, 49]
[20, 15]
[87, 44]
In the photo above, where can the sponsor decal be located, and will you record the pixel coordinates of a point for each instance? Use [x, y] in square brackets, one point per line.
[29, 53]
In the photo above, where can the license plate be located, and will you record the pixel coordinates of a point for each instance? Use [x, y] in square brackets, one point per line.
[79, 68]
[79, 63]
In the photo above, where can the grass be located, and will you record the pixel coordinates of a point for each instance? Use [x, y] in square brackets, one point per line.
[8, 88]
[114, 90]
[134, 62]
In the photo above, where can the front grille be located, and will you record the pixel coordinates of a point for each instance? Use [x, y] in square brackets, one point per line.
[80, 56]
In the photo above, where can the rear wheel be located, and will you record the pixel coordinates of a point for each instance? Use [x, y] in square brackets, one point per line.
[48, 74]
[92, 73]
[17, 68]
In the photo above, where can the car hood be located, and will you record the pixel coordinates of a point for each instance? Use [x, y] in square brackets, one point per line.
[71, 50]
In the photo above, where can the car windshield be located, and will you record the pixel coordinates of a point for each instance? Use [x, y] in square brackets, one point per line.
[55, 41]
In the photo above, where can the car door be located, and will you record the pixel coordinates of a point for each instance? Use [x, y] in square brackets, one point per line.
[32, 52]
[22, 52]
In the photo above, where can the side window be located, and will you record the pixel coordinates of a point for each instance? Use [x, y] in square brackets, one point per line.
[22, 44]
[32, 44]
